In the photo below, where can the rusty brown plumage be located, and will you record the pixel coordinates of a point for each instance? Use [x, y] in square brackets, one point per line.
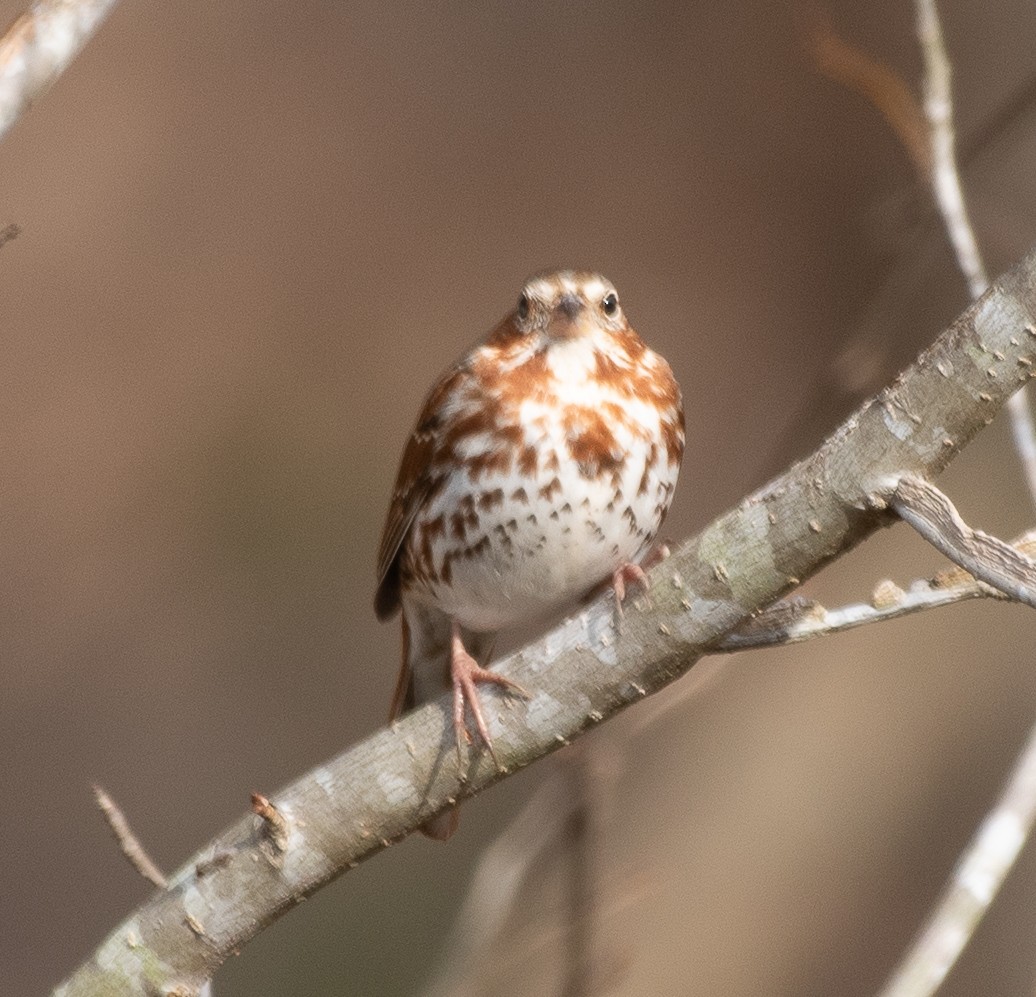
[541, 466]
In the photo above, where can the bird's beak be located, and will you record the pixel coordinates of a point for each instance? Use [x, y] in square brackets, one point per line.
[568, 319]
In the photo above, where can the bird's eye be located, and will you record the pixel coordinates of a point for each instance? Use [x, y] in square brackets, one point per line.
[610, 304]
[523, 308]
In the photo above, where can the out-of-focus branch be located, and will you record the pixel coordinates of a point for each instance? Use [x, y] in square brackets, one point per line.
[39, 46]
[884, 88]
[502, 870]
[583, 671]
[991, 853]
[128, 842]
[945, 180]
[949, 197]
[975, 882]
[581, 835]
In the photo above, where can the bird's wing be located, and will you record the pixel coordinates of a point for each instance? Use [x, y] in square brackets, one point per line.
[416, 478]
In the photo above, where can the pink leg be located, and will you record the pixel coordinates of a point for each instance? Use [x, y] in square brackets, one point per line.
[635, 574]
[627, 574]
[466, 673]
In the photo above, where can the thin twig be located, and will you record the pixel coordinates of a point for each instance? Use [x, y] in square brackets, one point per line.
[581, 838]
[800, 620]
[39, 47]
[979, 874]
[1024, 436]
[946, 186]
[128, 841]
[877, 83]
[949, 197]
[989, 559]
[273, 826]
[990, 855]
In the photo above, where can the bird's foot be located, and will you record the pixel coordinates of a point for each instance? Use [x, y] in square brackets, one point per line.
[627, 574]
[466, 675]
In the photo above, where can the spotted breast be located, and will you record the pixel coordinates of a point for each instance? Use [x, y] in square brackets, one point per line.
[541, 467]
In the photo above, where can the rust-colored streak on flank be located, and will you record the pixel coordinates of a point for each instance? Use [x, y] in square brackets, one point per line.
[673, 438]
[414, 482]
[509, 434]
[424, 562]
[656, 384]
[480, 418]
[649, 464]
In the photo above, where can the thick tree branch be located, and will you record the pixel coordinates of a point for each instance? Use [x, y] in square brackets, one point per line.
[583, 672]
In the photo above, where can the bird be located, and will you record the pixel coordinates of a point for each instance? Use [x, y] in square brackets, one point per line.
[539, 472]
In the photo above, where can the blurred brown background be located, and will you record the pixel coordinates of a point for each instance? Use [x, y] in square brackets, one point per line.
[253, 233]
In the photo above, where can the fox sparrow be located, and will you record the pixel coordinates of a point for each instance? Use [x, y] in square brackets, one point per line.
[540, 469]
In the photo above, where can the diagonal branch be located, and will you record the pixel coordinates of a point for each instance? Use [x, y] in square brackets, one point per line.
[976, 880]
[583, 672]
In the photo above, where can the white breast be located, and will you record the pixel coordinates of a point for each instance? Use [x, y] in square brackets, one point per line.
[544, 540]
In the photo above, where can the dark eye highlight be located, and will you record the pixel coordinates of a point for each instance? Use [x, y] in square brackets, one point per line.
[610, 304]
[523, 308]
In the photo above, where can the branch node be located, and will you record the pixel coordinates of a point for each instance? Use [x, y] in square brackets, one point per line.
[886, 594]
[195, 926]
[273, 827]
[990, 560]
[215, 861]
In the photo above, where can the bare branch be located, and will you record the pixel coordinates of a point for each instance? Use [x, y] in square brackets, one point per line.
[880, 85]
[581, 840]
[583, 671]
[274, 827]
[938, 105]
[990, 560]
[128, 841]
[991, 854]
[499, 877]
[949, 197]
[795, 621]
[975, 882]
[39, 47]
